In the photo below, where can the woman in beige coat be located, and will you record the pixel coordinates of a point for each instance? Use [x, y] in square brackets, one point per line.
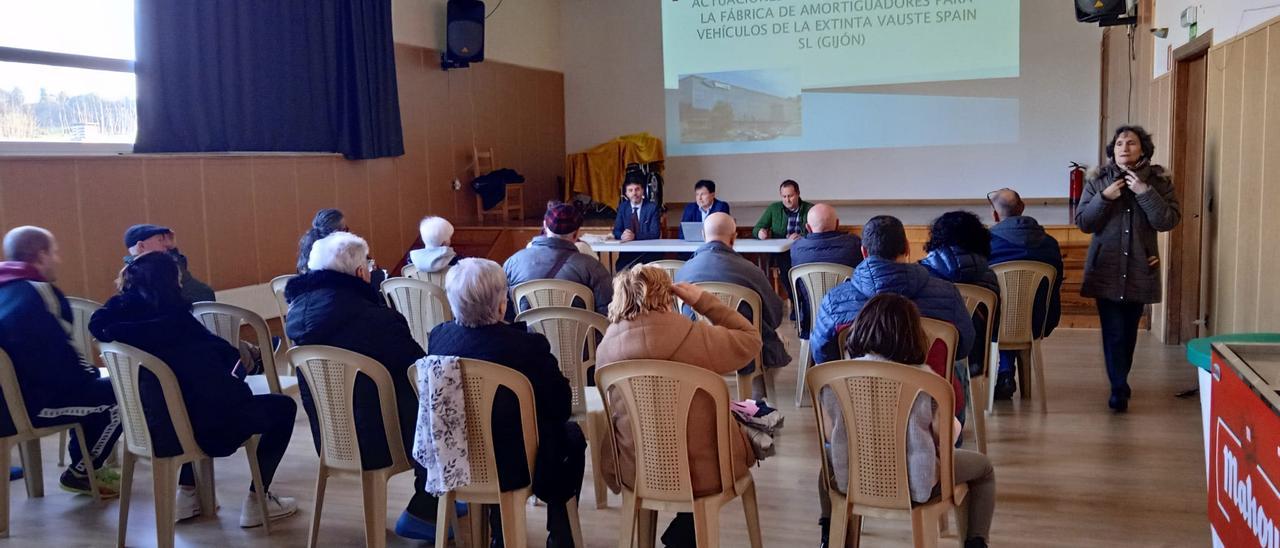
[644, 326]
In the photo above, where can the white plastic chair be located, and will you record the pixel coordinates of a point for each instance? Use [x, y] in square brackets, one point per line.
[1019, 281]
[982, 304]
[818, 279]
[540, 293]
[423, 304]
[81, 311]
[224, 320]
[734, 296]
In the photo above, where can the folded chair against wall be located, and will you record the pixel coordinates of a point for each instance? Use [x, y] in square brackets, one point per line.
[423, 304]
[817, 279]
[735, 296]
[539, 293]
[126, 364]
[224, 320]
[572, 334]
[658, 396]
[480, 383]
[981, 304]
[27, 438]
[875, 400]
[331, 376]
[1019, 282]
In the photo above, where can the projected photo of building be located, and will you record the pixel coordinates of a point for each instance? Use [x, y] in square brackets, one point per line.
[756, 105]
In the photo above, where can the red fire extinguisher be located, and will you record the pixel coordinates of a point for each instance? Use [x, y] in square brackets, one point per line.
[1075, 189]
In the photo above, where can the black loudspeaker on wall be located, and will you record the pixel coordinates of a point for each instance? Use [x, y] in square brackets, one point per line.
[1105, 12]
[464, 34]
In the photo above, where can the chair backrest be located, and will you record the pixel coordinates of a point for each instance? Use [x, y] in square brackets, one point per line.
[735, 296]
[572, 335]
[277, 289]
[540, 293]
[437, 277]
[942, 338]
[875, 401]
[670, 265]
[409, 271]
[330, 374]
[423, 304]
[658, 396]
[81, 311]
[125, 364]
[224, 320]
[480, 382]
[816, 279]
[13, 395]
[981, 304]
[1019, 281]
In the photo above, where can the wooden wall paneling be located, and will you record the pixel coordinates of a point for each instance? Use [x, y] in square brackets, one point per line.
[1269, 202]
[414, 202]
[231, 221]
[1248, 236]
[439, 143]
[501, 115]
[1229, 194]
[112, 194]
[412, 170]
[175, 191]
[1213, 154]
[461, 112]
[276, 215]
[385, 238]
[550, 146]
[43, 193]
[486, 96]
[353, 195]
[528, 138]
[317, 189]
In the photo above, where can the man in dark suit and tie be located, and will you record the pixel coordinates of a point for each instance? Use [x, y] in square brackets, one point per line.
[704, 204]
[638, 219]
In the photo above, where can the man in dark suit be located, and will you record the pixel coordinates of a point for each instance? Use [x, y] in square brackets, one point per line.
[638, 219]
[704, 204]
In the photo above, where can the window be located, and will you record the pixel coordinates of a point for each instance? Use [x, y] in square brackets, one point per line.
[66, 76]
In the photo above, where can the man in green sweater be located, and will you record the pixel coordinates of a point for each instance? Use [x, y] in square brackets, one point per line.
[784, 219]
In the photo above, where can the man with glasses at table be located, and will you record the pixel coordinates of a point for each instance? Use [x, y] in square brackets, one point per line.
[1017, 237]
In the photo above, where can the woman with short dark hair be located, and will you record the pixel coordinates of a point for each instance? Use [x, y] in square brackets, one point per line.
[1124, 204]
[326, 222]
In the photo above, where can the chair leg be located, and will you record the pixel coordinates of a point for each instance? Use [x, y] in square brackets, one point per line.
[62, 448]
[1038, 361]
[597, 434]
[924, 528]
[706, 524]
[745, 382]
[374, 489]
[126, 493]
[33, 475]
[6, 455]
[255, 472]
[476, 521]
[575, 524]
[511, 505]
[802, 367]
[87, 458]
[1024, 374]
[444, 508]
[853, 538]
[203, 471]
[993, 372]
[627, 521]
[321, 479]
[753, 516]
[841, 516]
[962, 521]
[647, 524]
[164, 479]
[977, 395]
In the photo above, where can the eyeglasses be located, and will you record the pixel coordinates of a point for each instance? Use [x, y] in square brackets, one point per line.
[991, 196]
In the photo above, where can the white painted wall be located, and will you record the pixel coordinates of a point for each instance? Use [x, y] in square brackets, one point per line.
[520, 32]
[1227, 18]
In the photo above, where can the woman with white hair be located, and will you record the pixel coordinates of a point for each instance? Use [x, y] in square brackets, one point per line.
[437, 255]
[477, 290]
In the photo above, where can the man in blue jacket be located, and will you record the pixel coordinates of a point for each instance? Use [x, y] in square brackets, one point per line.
[887, 267]
[1016, 237]
[58, 385]
[638, 219]
[825, 243]
[704, 204]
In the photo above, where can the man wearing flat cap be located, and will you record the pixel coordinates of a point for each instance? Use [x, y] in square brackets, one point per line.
[141, 239]
[554, 256]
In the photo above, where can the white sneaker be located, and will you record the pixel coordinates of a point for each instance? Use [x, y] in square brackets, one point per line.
[277, 507]
[188, 504]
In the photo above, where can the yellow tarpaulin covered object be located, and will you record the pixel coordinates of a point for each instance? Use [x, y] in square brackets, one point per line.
[598, 172]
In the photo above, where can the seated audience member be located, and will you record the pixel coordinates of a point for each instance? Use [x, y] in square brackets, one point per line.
[643, 325]
[477, 290]
[887, 268]
[704, 204]
[326, 222]
[59, 386]
[958, 248]
[1017, 237]
[825, 243]
[716, 261]
[638, 219]
[784, 219]
[150, 313]
[888, 329]
[333, 304]
[141, 239]
[555, 256]
[437, 234]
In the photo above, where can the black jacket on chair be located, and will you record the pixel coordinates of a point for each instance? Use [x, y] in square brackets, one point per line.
[336, 309]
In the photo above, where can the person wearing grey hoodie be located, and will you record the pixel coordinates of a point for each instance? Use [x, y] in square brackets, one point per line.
[437, 255]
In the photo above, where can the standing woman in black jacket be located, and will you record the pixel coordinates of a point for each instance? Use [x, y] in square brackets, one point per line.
[1125, 203]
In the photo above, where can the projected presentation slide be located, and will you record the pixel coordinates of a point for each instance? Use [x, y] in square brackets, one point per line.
[747, 76]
